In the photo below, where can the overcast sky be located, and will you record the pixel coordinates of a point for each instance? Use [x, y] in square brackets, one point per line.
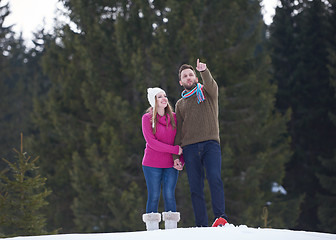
[30, 15]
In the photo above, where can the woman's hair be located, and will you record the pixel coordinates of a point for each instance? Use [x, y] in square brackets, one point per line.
[168, 111]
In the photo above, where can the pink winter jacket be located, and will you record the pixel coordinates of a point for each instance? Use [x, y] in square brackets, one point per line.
[159, 147]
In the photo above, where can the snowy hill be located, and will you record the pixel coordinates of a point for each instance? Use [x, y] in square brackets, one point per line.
[229, 232]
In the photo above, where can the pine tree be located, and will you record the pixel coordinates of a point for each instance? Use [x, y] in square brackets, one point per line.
[283, 44]
[254, 139]
[303, 81]
[14, 101]
[23, 194]
[4, 91]
[90, 120]
[327, 198]
[311, 129]
[283, 40]
[88, 110]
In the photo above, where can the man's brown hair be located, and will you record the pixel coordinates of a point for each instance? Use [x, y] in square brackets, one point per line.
[183, 67]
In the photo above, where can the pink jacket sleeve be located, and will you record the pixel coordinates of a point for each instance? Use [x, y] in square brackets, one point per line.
[182, 160]
[152, 141]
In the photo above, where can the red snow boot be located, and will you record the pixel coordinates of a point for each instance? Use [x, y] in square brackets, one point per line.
[219, 222]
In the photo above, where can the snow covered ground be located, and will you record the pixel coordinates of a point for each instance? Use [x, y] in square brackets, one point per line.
[228, 232]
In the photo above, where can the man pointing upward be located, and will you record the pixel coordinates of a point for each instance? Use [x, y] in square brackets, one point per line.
[198, 134]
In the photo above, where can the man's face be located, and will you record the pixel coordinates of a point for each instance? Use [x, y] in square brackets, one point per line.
[188, 79]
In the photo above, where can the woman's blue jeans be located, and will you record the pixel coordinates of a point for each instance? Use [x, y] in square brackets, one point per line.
[155, 178]
[199, 156]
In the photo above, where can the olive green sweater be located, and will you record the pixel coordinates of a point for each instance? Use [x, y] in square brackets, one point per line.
[198, 122]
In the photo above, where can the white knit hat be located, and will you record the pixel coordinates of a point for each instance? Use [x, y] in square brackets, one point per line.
[151, 93]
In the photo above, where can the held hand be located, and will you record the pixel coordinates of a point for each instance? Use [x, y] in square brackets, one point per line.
[180, 150]
[200, 66]
[178, 165]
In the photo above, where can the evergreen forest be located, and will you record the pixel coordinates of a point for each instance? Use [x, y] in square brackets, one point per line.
[71, 143]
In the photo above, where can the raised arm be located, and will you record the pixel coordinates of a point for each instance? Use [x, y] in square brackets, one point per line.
[209, 83]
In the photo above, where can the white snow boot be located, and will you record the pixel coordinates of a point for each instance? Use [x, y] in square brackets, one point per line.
[171, 219]
[152, 220]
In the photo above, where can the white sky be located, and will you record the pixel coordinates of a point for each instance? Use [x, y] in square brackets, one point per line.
[30, 15]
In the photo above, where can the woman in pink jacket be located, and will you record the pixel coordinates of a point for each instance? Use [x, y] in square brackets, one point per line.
[159, 130]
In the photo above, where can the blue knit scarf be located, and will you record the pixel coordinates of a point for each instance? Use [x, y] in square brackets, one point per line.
[199, 93]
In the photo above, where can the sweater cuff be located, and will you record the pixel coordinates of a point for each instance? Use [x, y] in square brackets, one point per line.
[205, 71]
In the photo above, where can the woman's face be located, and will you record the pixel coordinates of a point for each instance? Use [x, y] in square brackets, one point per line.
[161, 100]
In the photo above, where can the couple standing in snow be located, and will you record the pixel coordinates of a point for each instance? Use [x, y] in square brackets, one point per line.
[189, 137]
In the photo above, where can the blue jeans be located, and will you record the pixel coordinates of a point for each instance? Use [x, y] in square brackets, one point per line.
[199, 156]
[155, 178]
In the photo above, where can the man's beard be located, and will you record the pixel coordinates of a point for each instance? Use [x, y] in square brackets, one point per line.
[186, 87]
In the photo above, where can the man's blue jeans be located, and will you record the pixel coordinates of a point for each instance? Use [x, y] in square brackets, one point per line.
[155, 178]
[199, 156]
